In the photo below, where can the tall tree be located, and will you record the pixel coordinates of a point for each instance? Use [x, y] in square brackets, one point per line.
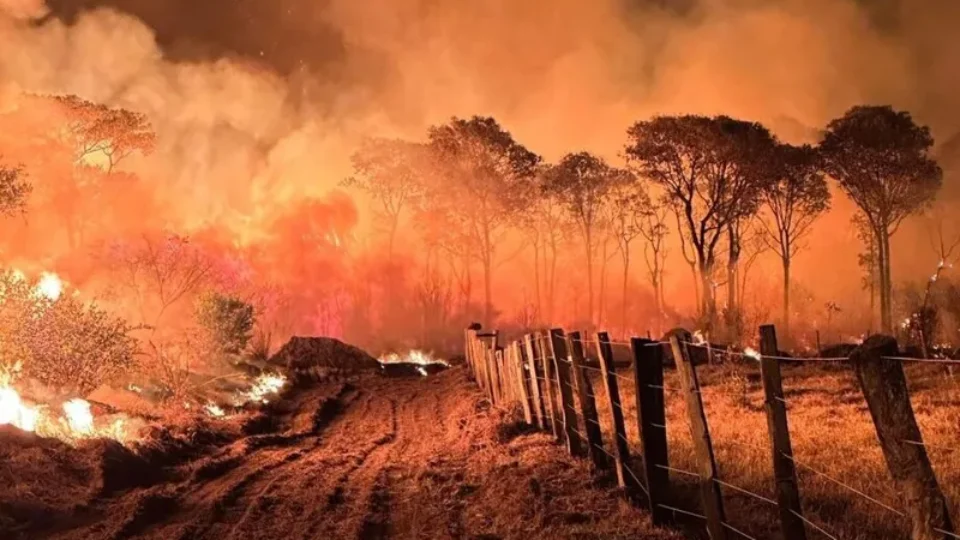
[793, 201]
[481, 172]
[882, 160]
[389, 171]
[629, 203]
[583, 183]
[712, 171]
[653, 227]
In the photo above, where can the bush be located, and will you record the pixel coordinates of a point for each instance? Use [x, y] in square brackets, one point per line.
[228, 320]
[61, 342]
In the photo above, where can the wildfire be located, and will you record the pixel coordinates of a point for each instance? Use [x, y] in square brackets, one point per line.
[698, 338]
[419, 358]
[79, 417]
[265, 385]
[214, 410]
[76, 423]
[50, 286]
[751, 353]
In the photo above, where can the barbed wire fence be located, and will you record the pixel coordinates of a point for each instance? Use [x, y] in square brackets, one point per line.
[551, 376]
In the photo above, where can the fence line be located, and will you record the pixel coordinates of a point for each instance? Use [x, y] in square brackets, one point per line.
[557, 362]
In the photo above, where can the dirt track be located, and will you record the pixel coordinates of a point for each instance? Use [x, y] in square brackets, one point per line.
[378, 458]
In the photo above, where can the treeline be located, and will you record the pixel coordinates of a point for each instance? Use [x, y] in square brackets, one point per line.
[727, 188]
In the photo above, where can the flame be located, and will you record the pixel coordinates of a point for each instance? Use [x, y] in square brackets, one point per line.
[264, 385]
[422, 371]
[14, 412]
[412, 357]
[214, 410]
[751, 353]
[698, 338]
[79, 417]
[50, 286]
[76, 423]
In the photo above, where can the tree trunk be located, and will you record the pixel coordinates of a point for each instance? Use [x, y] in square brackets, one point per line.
[536, 281]
[886, 316]
[602, 289]
[588, 241]
[487, 292]
[786, 297]
[708, 308]
[623, 297]
[552, 282]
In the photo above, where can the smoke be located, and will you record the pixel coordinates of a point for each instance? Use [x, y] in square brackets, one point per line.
[239, 143]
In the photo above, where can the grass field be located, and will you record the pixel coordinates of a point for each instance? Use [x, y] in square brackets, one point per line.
[832, 434]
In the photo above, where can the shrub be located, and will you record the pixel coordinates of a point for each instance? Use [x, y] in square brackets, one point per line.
[61, 342]
[228, 320]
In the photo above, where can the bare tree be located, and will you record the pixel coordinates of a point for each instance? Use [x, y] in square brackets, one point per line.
[711, 170]
[481, 169]
[793, 202]
[882, 160]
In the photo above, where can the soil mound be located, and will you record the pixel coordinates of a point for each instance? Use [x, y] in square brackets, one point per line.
[316, 357]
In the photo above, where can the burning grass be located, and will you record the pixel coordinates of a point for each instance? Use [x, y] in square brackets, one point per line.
[834, 443]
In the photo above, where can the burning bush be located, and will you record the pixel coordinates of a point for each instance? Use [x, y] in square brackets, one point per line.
[227, 319]
[61, 342]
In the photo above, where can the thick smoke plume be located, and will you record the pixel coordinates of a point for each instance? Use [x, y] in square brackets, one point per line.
[240, 146]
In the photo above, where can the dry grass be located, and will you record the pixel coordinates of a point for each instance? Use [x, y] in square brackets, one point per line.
[831, 431]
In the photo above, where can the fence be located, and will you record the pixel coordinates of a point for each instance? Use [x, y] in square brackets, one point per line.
[548, 375]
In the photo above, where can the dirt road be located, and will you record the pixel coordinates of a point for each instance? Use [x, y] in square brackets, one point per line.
[376, 458]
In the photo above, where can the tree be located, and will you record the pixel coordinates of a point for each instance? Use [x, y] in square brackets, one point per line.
[881, 159]
[628, 206]
[793, 201]
[583, 183]
[653, 227]
[480, 172]
[113, 133]
[546, 224]
[712, 171]
[389, 170]
[14, 190]
[227, 320]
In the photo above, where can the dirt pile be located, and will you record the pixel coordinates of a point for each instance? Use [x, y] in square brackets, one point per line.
[315, 358]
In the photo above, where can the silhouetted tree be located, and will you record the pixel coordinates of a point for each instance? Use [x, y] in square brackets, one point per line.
[882, 160]
[114, 133]
[712, 170]
[793, 201]
[653, 227]
[481, 169]
[628, 205]
[390, 171]
[583, 182]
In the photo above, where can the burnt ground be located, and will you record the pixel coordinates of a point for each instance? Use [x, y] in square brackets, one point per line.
[421, 457]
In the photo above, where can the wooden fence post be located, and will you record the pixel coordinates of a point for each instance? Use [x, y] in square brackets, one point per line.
[622, 451]
[702, 446]
[652, 423]
[552, 413]
[784, 470]
[522, 382]
[588, 404]
[568, 413]
[884, 386]
[468, 336]
[538, 411]
[492, 375]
